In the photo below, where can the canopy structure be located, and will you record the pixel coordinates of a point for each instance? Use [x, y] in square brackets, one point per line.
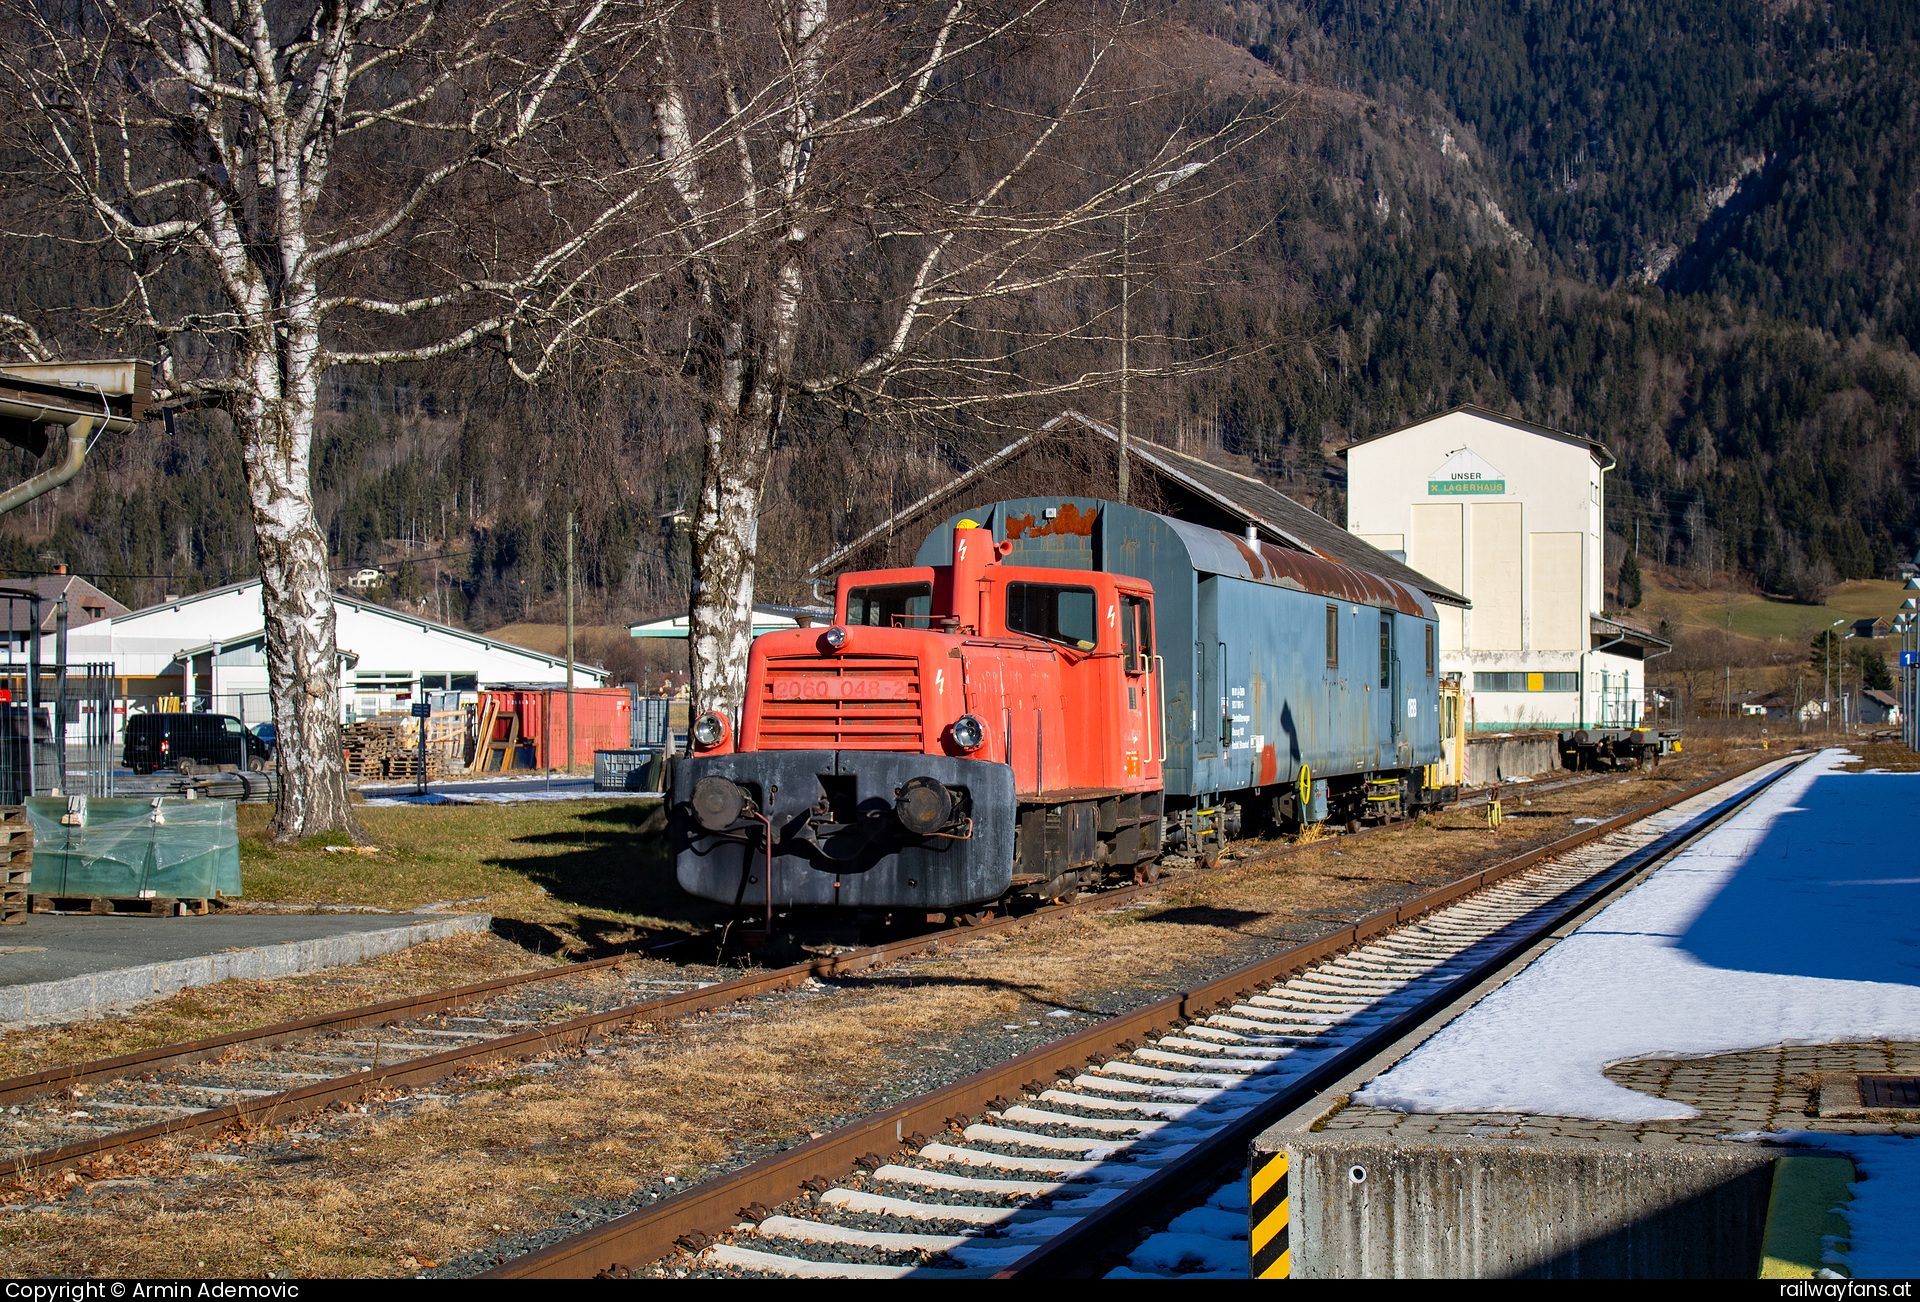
[766, 619]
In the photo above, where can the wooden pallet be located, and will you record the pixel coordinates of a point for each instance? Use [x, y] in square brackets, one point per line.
[16, 864]
[158, 906]
[408, 766]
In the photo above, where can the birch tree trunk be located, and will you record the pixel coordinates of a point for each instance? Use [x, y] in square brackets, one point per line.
[726, 530]
[275, 421]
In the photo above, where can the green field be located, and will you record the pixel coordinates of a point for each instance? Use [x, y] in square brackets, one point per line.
[1766, 619]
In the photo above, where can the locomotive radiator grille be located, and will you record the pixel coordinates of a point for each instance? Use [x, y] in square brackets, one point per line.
[848, 703]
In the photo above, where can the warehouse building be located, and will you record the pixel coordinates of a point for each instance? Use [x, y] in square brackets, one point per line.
[1511, 515]
[208, 652]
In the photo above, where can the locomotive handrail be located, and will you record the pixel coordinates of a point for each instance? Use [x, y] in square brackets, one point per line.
[1160, 697]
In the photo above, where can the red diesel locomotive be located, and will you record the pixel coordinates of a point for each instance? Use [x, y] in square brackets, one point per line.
[1006, 722]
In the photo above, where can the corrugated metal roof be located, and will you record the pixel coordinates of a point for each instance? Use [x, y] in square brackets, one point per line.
[1287, 520]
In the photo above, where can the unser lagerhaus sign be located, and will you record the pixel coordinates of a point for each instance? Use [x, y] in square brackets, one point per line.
[1463, 472]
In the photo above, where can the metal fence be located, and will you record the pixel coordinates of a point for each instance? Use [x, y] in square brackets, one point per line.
[650, 728]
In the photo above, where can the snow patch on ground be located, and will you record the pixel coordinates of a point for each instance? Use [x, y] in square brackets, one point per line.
[1206, 1242]
[1782, 927]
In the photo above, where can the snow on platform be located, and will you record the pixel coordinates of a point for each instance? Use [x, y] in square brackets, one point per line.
[1796, 922]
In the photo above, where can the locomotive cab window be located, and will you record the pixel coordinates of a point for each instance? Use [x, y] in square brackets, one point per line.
[1429, 631]
[1333, 637]
[1386, 650]
[1136, 633]
[898, 605]
[1053, 612]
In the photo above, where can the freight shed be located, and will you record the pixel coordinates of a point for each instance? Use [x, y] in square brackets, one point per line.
[1078, 450]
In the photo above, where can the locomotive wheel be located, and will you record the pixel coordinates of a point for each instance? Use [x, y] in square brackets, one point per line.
[1210, 857]
[973, 919]
[1146, 873]
[1353, 825]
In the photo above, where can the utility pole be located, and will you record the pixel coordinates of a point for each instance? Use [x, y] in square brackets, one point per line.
[570, 532]
[1126, 336]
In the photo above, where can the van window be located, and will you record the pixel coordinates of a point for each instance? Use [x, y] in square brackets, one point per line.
[1053, 612]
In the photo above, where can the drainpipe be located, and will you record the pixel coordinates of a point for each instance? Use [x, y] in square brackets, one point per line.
[41, 484]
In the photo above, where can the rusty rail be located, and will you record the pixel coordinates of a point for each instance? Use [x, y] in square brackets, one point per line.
[652, 1233]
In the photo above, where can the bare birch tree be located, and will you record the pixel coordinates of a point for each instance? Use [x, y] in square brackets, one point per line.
[866, 199]
[275, 189]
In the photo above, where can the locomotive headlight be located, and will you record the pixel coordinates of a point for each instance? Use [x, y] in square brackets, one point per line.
[835, 637]
[709, 730]
[969, 732]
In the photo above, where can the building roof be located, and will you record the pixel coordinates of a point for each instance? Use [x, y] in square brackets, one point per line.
[367, 606]
[1594, 447]
[1884, 698]
[80, 595]
[1869, 628]
[1241, 497]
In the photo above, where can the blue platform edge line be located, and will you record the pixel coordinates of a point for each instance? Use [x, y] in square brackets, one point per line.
[100, 994]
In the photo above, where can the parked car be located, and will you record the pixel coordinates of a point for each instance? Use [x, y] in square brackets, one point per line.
[266, 733]
[189, 741]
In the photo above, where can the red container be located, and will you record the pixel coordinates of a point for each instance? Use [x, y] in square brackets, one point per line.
[602, 720]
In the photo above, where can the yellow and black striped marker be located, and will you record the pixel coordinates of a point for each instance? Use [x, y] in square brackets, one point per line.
[1268, 1220]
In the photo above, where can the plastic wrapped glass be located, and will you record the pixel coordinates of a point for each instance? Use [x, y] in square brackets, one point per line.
[134, 848]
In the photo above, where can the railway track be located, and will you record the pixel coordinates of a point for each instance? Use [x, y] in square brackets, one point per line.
[1046, 1165]
[66, 1115]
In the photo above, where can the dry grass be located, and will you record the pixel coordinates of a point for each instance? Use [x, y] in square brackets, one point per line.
[578, 878]
[240, 1004]
[395, 1190]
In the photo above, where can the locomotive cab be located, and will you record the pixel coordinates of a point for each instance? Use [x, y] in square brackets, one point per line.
[960, 731]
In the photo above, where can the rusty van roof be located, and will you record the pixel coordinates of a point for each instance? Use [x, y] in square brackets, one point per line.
[1216, 552]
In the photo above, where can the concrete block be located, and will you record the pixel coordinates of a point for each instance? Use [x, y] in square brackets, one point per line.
[122, 988]
[1493, 758]
[175, 975]
[1447, 1206]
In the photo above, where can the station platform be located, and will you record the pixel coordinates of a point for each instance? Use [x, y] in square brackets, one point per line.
[56, 967]
[1686, 1084]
